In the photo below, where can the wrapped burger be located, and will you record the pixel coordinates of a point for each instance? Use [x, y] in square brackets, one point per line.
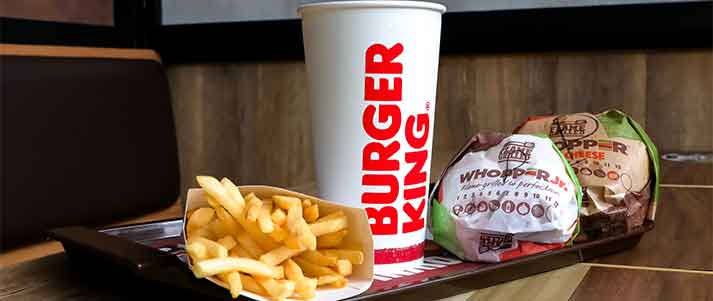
[616, 163]
[505, 197]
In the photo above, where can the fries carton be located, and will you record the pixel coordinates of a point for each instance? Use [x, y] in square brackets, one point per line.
[359, 236]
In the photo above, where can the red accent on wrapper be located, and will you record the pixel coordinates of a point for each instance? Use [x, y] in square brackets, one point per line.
[528, 248]
[396, 255]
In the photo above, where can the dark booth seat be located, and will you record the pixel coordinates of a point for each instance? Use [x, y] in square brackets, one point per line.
[86, 137]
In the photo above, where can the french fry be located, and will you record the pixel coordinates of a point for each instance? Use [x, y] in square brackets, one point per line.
[239, 251]
[233, 192]
[235, 284]
[278, 255]
[228, 242]
[279, 271]
[319, 258]
[344, 267]
[248, 197]
[253, 229]
[269, 203]
[293, 242]
[264, 220]
[199, 218]
[217, 228]
[313, 270]
[276, 289]
[254, 208]
[332, 215]
[228, 222]
[308, 239]
[331, 240]
[306, 287]
[213, 203]
[249, 245]
[213, 249]
[335, 280]
[298, 227]
[311, 213]
[289, 284]
[265, 242]
[216, 190]
[251, 285]
[292, 270]
[278, 216]
[286, 202]
[328, 226]
[210, 267]
[305, 236]
[294, 219]
[197, 251]
[200, 232]
[306, 203]
[279, 234]
[341, 283]
[354, 256]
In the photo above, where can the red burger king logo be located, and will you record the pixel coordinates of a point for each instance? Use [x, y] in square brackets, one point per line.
[383, 122]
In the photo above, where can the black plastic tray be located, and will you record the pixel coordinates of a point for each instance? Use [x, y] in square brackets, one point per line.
[153, 252]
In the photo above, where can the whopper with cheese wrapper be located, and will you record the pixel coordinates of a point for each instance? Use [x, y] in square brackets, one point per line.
[269, 243]
[616, 163]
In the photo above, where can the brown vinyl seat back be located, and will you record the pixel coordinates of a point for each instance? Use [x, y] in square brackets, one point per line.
[87, 137]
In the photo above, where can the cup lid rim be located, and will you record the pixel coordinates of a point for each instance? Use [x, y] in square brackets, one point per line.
[372, 4]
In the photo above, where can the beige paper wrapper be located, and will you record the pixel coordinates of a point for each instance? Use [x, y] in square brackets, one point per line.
[359, 234]
[604, 192]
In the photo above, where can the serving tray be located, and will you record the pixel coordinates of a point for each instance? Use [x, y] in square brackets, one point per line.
[154, 252]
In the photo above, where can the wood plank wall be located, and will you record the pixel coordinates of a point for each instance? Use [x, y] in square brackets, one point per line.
[250, 121]
[94, 12]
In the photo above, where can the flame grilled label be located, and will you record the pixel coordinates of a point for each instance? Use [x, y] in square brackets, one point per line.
[515, 151]
[573, 128]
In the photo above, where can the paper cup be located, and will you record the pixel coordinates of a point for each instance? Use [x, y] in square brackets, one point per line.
[372, 68]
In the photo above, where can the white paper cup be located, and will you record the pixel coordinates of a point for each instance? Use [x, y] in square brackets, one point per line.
[373, 142]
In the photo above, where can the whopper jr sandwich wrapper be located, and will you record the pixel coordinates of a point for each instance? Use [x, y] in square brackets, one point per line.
[503, 197]
[616, 163]
[358, 236]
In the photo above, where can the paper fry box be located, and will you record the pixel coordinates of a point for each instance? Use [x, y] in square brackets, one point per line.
[358, 236]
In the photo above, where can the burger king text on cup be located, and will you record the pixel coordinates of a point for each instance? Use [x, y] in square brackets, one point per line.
[382, 121]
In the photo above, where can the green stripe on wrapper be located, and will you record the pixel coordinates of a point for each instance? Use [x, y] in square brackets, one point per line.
[618, 124]
[577, 186]
[444, 229]
[570, 172]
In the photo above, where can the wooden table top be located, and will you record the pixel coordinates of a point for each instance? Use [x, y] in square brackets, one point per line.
[672, 262]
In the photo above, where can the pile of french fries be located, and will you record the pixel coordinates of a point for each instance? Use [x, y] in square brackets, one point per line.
[278, 247]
